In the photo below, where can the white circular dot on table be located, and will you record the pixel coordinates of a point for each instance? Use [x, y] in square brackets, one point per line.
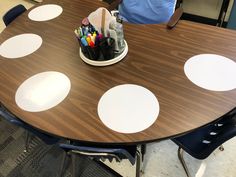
[45, 12]
[128, 108]
[42, 91]
[211, 72]
[20, 45]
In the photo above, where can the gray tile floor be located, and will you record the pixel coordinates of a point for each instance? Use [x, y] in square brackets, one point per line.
[161, 158]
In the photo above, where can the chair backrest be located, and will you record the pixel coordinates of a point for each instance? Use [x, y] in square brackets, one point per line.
[232, 18]
[201, 142]
[8, 116]
[13, 13]
[223, 11]
[117, 152]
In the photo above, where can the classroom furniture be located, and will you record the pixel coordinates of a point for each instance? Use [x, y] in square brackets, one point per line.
[201, 142]
[132, 153]
[155, 60]
[13, 13]
[232, 18]
[219, 21]
[223, 11]
[46, 138]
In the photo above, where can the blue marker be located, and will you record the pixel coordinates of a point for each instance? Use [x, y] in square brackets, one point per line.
[84, 42]
[85, 30]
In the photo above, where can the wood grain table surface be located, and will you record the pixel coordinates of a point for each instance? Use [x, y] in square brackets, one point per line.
[155, 60]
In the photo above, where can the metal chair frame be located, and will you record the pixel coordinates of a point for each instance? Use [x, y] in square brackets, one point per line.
[223, 127]
[101, 155]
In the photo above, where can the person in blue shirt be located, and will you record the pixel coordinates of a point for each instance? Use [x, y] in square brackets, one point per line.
[147, 11]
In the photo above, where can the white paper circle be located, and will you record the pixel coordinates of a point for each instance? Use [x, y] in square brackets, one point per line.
[42, 91]
[20, 45]
[45, 12]
[211, 72]
[128, 108]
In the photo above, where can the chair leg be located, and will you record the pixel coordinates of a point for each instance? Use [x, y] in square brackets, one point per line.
[27, 141]
[143, 150]
[73, 159]
[63, 165]
[221, 148]
[139, 161]
[180, 155]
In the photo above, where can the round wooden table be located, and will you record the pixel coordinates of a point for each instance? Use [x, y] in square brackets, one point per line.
[155, 60]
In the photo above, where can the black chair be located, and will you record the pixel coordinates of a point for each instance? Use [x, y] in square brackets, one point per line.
[201, 142]
[133, 153]
[222, 14]
[13, 13]
[8, 116]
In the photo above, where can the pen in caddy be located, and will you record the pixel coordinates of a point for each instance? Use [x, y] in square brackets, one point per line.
[100, 35]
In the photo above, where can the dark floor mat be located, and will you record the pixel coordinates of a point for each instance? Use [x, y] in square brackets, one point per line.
[41, 160]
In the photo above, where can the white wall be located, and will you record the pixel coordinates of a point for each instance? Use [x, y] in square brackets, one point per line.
[206, 8]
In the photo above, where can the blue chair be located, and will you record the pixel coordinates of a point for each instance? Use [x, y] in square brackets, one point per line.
[201, 142]
[8, 116]
[232, 18]
[13, 13]
[132, 153]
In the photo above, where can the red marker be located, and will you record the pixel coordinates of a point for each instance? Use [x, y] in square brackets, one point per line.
[91, 44]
